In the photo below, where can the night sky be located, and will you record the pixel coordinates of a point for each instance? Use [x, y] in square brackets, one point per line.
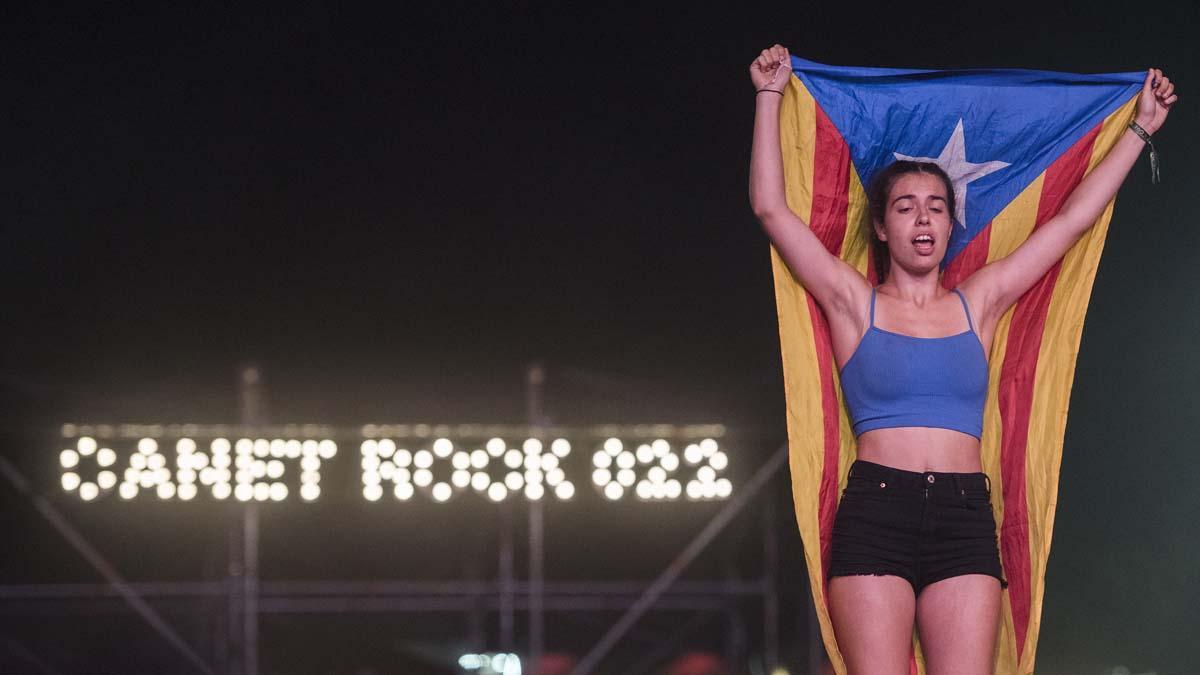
[394, 212]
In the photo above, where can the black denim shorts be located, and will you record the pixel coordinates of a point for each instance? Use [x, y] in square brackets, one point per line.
[921, 526]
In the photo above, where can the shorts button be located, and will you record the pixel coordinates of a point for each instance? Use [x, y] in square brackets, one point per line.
[929, 478]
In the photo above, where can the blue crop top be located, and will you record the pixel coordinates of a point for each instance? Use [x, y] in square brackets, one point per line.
[895, 380]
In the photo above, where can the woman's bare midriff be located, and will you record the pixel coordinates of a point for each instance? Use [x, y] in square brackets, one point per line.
[921, 449]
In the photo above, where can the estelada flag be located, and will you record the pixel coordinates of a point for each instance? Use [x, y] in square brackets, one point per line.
[1015, 144]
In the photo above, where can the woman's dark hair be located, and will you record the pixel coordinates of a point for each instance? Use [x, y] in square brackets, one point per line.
[877, 195]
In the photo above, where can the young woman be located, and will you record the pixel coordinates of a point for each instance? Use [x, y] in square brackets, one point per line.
[913, 361]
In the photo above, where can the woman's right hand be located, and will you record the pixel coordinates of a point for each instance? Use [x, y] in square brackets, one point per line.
[772, 69]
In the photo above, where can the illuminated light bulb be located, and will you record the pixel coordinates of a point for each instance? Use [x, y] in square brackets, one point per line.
[244, 446]
[673, 489]
[165, 490]
[292, 449]
[532, 462]
[694, 491]
[442, 447]
[645, 455]
[707, 447]
[222, 491]
[514, 480]
[724, 488]
[626, 477]
[403, 458]
[187, 492]
[199, 460]
[661, 447]
[310, 477]
[532, 446]
[223, 476]
[106, 457]
[258, 469]
[403, 491]
[208, 476]
[186, 475]
[601, 477]
[495, 447]
[162, 476]
[555, 476]
[219, 446]
[327, 449]
[402, 476]
[156, 461]
[128, 490]
[533, 476]
[185, 446]
[274, 468]
[480, 481]
[656, 474]
[659, 491]
[279, 492]
[146, 446]
[387, 447]
[310, 464]
[643, 489]
[70, 481]
[148, 479]
[310, 491]
[613, 446]
[368, 463]
[86, 445]
[68, 459]
[138, 461]
[369, 448]
[626, 460]
[88, 491]
[561, 447]
[549, 462]
[479, 459]
[423, 459]
[278, 448]
[372, 492]
[371, 478]
[706, 474]
[601, 460]
[262, 492]
[422, 477]
[669, 461]
[564, 490]
[308, 448]
[442, 492]
[461, 478]
[613, 491]
[262, 447]
[131, 475]
[497, 492]
[220, 461]
[244, 476]
[513, 459]
[534, 492]
[387, 470]
[244, 462]
[461, 460]
[719, 461]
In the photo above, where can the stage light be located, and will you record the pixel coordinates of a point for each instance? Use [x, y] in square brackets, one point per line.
[480, 481]
[692, 454]
[279, 492]
[187, 492]
[199, 460]
[244, 492]
[403, 458]
[561, 447]
[626, 477]
[68, 459]
[148, 479]
[165, 490]
[243, 462]
[386, 447]
[185, 476]
[327, 449]
[369, 448]
[218, 461]
[309, 477]
[601, 460]
[669, 461]
[262, 447]
[402, 476]
[644, 489]
[278, 448]
[146, 446]
[442, 447]
[461, 460]
[128, 490]
[403, 491]
[423, 459]
[645, 454]
[70, 481]
[660, 446]
[88, 491]
[422, 477]
[533, 476]
[626, 460]
[387, 470]
[309, 448]
[555, 476]
[258, 469]
[497, 492]
[706, 474]
[208, 476]
[262, 492]
[292, 449]
[106, 457]
[532, 446]
[370, 463]
[719, 461]
[724, 488]
[372, 492]
[138, 461]
[156, 461]
[601, 477]
[274, 468]
[673, 489]
[185, 446]
[564, 490]
[549, 462]
[496, 447]
[694, 491]
[132, 475]
[244, 446]
[371, 478]
[219, 446]
[479, 459]
[461, 478]
[442, 492]
[613, 491]
[707, 447]
[513, 459]
[534, 492]
[514, 480]
[656, 474]
[310, 491]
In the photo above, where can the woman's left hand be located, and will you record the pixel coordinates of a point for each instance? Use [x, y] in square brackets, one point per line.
[1158, 95]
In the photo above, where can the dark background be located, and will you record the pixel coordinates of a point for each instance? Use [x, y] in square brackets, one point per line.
[395, 211]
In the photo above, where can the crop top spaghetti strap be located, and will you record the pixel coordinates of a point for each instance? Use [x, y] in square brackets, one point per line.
[895, 380]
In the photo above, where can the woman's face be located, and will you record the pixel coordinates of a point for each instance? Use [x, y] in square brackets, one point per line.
[917, 222]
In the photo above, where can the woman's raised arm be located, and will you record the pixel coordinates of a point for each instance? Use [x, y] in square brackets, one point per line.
[832, 282]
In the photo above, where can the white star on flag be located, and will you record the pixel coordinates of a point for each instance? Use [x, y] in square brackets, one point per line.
[953, 160]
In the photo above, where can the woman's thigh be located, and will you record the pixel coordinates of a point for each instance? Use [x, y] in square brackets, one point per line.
[958, 619]
[873, 620]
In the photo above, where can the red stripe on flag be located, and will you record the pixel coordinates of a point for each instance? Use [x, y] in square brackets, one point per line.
[968, 260]
[830, 204]
[1017, 378]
